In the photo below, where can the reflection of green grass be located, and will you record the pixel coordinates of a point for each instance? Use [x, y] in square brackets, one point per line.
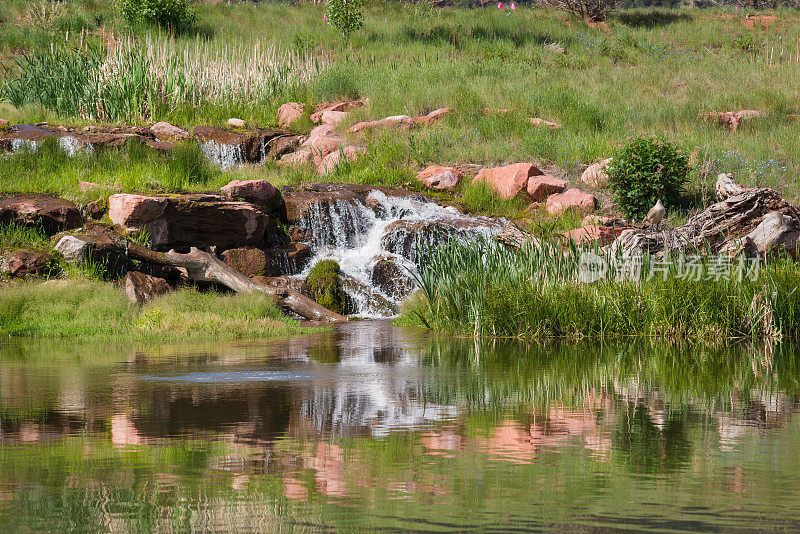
[92, 311]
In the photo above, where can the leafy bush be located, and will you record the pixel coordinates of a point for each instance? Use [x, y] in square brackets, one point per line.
[173, 14]
[345, 15]
[325, 286]
[640, 168]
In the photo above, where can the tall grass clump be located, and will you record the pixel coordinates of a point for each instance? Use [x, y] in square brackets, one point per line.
[137, 80]
[488, 289]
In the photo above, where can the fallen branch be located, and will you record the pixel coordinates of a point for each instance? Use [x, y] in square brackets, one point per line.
[204, 267]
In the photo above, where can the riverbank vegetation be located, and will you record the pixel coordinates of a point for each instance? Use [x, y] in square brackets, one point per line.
[88, 310]
[488, 289]
[496, 68]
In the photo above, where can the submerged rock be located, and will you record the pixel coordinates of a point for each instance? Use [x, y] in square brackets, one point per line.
[48, 213]
[140, 287]
[391, 278]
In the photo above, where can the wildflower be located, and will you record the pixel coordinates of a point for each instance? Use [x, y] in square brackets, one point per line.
[500, 5]
[513, 6]
[325, 17]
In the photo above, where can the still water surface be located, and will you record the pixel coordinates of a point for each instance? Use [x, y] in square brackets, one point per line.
[378, 428]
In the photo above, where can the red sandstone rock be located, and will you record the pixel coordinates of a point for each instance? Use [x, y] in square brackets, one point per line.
[259, 192]
[438, 177]
[289, 112]
[595, 174]
[603, 235]
[508, 181]
[540, 187]
[570, 199]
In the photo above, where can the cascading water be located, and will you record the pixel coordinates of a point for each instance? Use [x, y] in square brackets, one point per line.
[24, 145]
[223, 155]
[368, 239]
[72, 145]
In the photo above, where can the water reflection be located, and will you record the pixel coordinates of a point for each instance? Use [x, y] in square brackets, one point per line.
[373, 426]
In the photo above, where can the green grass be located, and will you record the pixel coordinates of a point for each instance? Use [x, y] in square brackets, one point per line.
[487, 289]
[653, 71]
[95, 311]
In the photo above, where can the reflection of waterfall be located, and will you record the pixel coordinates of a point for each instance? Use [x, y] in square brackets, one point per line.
[380, 386]
[225, 156]
[375, 242]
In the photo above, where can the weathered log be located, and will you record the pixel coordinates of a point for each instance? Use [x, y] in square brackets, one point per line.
[723, 226]
[204, 267]
[726, 187]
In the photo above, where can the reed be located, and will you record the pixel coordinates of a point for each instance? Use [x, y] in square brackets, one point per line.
[487, 289]
[135, 80]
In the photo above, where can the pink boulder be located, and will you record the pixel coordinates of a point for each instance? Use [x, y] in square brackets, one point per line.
[432, 117]
[592, 233]
[508, 181]
[4, 122]
[339, 106]
[322, 146]
[334, 118]
[165, 131]
[259, 192]
[570, 199]
[288, 113]
[438, 177]
[129, 210]
[595, 174]
[334, 159]
[539, 187]
[297, 158]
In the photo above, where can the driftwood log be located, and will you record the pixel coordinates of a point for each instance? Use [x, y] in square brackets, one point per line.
[754, 221]
[204, 267]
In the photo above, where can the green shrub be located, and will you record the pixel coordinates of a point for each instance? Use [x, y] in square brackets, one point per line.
[173, 14]
[325, 286]
[345, 15]
[640, 168]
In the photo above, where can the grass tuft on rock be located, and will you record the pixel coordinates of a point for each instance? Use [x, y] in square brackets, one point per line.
[325, 286]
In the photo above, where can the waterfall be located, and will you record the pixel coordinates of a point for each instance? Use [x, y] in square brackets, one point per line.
[72, 145]
[20, 145]
[225, 156]
[371, 238]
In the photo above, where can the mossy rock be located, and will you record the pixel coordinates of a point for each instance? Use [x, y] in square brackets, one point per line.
[325, 287]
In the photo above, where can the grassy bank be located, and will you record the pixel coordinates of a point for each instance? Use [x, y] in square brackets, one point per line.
[96, 311]
[486, 289]
[654, 71]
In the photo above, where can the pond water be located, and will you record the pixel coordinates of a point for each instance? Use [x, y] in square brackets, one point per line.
[373, 427]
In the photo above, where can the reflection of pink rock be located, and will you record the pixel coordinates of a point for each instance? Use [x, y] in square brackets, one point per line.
[446, 440]
[123, 432]
[294, 489]
[329, 465]
[29, 432]
[511, 442]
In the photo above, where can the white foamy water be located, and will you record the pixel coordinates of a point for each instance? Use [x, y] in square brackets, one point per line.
[225, 156]
[19, 145]
[72, 145]
[357, 235]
